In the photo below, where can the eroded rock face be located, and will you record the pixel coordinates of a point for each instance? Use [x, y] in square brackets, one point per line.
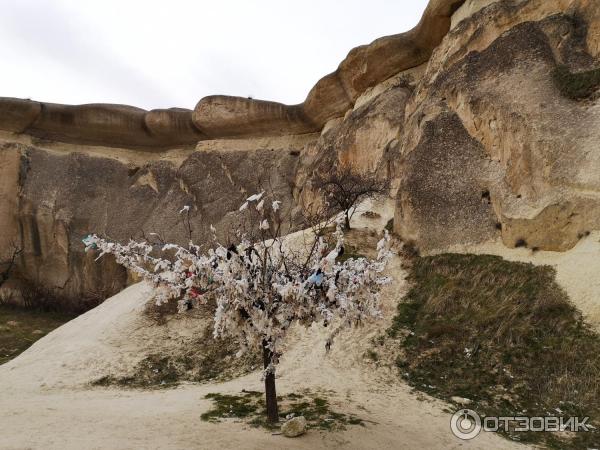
[469, 124]
[541, 173]
[222, 116]
[365, 138]
[65, 195]
[443, 196]
[10, 164]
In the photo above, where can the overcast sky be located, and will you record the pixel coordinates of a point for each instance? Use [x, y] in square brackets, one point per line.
[165, 53]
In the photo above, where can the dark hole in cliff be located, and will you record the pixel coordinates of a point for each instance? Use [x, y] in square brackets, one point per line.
[485, 196]
[583, 234]
[498, 226]
[132, 171]
[520, 243]
[390, 225]
[295, 153]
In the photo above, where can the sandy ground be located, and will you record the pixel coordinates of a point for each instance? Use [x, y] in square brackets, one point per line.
[45, 402]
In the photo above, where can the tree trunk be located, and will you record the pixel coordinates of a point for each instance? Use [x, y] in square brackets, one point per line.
[270, 393]
[347, 220]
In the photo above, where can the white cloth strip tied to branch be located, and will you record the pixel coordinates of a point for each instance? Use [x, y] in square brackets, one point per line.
[260, 286]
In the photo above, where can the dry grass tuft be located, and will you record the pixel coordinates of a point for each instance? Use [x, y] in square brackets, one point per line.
[502, 334]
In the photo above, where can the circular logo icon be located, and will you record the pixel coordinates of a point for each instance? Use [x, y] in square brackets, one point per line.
[465, 424]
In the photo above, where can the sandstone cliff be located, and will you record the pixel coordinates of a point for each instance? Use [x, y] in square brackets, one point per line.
[464, 113]
[491, 145]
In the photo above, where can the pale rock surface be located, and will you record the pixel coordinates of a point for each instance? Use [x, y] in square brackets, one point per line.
[491, 147]
[467, 123]
[467, 9]
[294, 427]
[222, 116]
[53, 195]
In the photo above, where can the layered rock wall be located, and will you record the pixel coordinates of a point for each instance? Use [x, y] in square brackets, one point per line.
[540, 179]
[222, 116]
[53, 196]
[462, 113]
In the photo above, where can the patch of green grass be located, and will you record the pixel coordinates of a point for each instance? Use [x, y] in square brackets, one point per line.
[153, 371]
[20, 328]
[576, 85]
[293, 396]
[251, 407]
[502, 334]
[227, 406]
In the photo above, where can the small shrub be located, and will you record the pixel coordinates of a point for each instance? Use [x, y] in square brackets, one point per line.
[372, 355]
[371, 215]
[410, 250]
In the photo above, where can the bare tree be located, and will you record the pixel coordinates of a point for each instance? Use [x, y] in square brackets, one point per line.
[263, 283]
[7, 265]
[345, 188]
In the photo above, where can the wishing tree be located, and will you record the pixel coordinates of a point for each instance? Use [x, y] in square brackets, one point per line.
[263, 283]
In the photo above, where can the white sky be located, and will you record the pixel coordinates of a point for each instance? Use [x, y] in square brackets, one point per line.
[165, 53]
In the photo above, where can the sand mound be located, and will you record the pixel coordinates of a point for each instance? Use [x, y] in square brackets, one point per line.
[128, 340]
[46, 401]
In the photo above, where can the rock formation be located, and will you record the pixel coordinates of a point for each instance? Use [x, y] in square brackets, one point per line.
[463, 113]
[221, 116]
[528, 156]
